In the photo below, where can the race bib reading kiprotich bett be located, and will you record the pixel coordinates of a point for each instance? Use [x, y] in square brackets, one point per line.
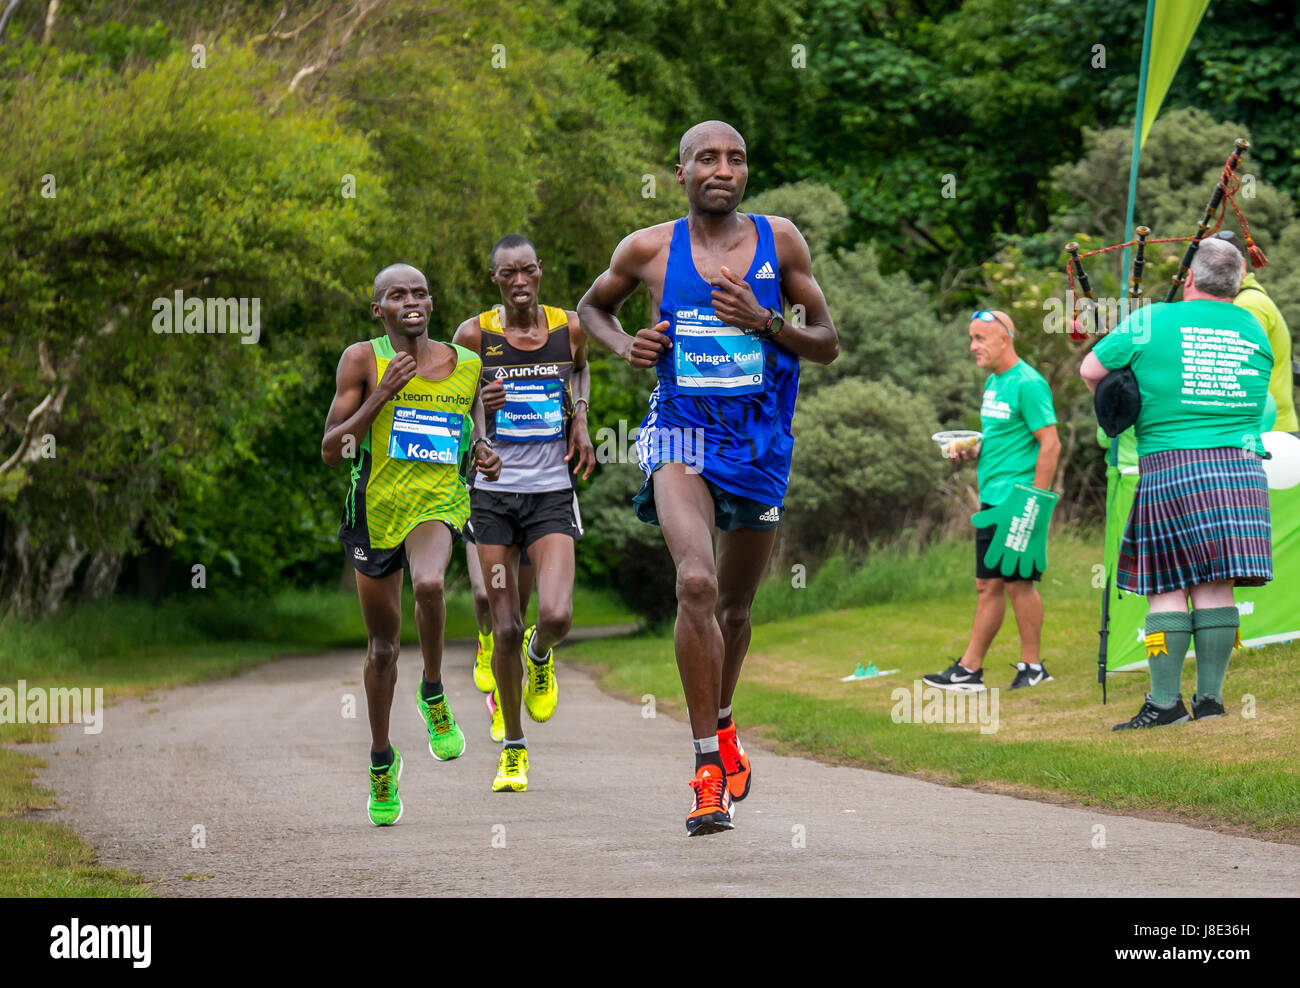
[533, 412]
[426, 435]
[712, 358]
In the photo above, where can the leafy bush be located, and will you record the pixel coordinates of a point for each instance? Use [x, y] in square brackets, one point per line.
[863, 461]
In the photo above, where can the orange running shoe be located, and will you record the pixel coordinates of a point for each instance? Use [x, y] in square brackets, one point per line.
[711, 812]
[735, 762]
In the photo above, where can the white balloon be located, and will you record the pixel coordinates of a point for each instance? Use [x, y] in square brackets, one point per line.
[1283, 467]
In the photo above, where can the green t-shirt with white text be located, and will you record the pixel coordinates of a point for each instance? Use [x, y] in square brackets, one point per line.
[1017, 403]
[1202, 368]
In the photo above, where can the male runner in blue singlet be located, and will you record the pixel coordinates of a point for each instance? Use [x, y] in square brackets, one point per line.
[716, 444]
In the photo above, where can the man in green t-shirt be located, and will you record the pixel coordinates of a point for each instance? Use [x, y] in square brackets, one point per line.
[1208, 401]
[1252, 297]
[1200, 522]
[1019, 448]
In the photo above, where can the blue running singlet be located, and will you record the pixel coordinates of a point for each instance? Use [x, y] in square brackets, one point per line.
[724, 399]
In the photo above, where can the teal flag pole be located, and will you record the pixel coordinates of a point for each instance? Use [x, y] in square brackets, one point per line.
[1137, 151]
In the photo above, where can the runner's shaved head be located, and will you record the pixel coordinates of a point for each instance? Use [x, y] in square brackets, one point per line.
[698, 135]
[392, 273]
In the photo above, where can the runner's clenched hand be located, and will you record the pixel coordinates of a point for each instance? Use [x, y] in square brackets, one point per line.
[648, 344]
[734, 303]
[580, 442]
[397, 375]
[488, 463]
[494, 397]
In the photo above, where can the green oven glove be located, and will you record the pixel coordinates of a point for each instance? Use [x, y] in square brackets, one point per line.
[1020, 541]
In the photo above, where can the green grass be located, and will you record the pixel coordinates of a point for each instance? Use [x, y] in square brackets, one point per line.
[1052, 741]
[130, 647]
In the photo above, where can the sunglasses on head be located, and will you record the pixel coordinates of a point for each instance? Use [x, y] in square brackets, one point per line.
[984, 315]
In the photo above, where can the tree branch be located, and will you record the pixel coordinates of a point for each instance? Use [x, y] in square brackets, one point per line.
[50, 407]
[4, 18]
[50, 13]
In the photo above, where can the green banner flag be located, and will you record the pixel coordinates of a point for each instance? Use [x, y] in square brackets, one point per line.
[1173, 22]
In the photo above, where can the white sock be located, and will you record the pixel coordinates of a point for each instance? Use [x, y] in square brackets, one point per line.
[521, 742]
[724, 712]
[531, 654]
[705, 746]
[1035, 665]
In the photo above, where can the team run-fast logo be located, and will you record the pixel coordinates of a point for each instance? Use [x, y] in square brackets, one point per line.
[102, 942]
[509, 372]
[240, 317]
[1094, 314]
[39, 705]
[925, 704]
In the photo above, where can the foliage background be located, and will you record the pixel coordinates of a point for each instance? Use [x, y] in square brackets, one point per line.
[461, 122]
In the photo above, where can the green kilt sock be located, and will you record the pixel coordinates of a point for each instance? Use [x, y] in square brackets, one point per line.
[1168, 636]
[1216, 633]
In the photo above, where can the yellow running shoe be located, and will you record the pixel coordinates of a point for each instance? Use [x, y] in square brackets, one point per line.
[512, 771]
[541, 691]
[497, 729]
[483, 664]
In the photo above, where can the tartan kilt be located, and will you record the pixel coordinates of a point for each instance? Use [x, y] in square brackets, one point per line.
[1199, 516]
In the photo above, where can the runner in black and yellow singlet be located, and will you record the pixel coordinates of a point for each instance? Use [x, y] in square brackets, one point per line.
[535, 358]
[406, 412]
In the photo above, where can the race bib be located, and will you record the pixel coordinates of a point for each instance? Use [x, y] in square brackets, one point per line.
[533, 412]
[426, 435]
[712, 358]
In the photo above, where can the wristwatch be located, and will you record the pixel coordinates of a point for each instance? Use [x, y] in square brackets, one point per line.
[473, 448]
[772, 328]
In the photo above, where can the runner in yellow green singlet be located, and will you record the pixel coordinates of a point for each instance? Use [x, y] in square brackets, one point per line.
[406, 412]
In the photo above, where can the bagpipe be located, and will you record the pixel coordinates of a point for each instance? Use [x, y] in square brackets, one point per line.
[1225, 191]
[1225, 194]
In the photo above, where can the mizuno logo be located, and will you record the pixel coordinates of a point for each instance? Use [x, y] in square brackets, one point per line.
[494, 351]
[765, 272]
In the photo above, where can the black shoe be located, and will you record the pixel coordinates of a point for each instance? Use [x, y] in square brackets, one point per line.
[1206, 706]
[957, 678]
[1152, 716]
[1026, 676]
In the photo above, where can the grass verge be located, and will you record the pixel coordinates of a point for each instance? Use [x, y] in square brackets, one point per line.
[1052, 742]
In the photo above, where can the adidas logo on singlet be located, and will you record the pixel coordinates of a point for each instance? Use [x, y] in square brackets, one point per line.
[765, 272]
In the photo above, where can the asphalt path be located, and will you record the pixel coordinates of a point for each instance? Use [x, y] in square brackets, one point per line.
[257, 785]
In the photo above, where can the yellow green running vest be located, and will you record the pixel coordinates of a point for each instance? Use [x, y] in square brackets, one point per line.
[411, 465]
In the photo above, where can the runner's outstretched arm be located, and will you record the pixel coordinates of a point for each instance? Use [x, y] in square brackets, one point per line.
[349, 415]
[579, 433]
[599, 307]
[486, 462]
[813, 337]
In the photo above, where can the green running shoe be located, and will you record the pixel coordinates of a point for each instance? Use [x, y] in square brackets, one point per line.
[446, 739]
[385, 807]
